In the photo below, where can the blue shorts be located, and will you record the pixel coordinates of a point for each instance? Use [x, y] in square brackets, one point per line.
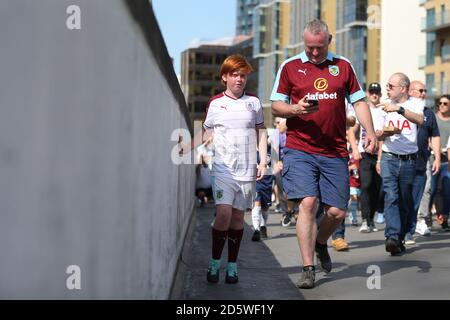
[312, 175]
[264, 191]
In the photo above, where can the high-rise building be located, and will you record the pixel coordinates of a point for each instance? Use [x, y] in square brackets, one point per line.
[244, 16]
[243, 45]
[302, 11]
[200, 76]
[373, 51]
[351, 34]
[375, 35]
[354, 35]
[271, 34]
[200, 66]
[436, 61]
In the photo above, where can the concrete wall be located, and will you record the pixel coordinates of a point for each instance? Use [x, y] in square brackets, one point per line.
[86, 176]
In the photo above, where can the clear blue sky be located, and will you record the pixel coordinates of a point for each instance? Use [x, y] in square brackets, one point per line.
[183, 22]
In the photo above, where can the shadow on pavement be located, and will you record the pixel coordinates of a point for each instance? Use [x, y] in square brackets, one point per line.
[261, 277]
[386, 267]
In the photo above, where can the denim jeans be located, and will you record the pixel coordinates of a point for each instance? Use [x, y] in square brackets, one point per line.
[398, 176]
[420, 180]
[440, 190]
[424, 207]
[340, 231]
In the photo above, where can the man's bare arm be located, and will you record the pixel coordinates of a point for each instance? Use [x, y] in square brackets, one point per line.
[365, 119]
[261, 134]
[411, 116]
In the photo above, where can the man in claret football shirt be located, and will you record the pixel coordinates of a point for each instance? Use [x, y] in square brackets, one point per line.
[310, 91]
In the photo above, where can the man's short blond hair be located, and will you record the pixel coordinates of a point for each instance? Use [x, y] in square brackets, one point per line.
[316, 27]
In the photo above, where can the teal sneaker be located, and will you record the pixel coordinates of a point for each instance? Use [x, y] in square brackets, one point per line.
[213, 271]
[380, 217]
[232, 276]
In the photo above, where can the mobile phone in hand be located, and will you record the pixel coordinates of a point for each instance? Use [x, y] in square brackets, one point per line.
[313, 102]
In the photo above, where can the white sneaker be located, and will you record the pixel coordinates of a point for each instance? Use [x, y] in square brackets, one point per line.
[422, 228]
[364, 227]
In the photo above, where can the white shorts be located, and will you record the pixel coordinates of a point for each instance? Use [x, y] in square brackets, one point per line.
[239, 194]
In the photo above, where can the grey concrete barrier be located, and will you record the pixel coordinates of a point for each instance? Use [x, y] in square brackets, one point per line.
[91, 204]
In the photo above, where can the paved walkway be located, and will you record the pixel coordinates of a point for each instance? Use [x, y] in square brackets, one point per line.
[269, 269]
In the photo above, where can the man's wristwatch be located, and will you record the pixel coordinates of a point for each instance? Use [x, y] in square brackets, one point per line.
[401, 111]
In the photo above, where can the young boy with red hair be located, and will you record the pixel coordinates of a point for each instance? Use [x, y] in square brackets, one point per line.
[235, 118]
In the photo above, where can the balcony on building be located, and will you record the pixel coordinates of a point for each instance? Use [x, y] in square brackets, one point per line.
[422, 61]
[436, 23]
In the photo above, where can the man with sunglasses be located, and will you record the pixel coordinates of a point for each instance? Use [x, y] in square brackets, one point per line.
[427, 132]
[441, 181]
[398, 154]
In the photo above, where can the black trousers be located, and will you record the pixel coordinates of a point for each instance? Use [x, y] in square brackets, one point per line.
[370, 186]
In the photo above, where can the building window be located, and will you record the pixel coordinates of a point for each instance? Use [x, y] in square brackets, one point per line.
[195, 91]
[429, 79]
[199, 107]
[192, 58]
[442, 50]
[431, 50]
[355, 10]
[338, 17]
[361, 10]
[318, 9]
[431, 18]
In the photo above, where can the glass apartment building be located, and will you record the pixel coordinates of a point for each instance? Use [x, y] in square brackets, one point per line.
[244, 16]
[436, 62]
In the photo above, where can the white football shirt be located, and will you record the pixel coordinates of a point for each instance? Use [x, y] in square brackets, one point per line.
[378, 118]
[406, 141]
[234, 122]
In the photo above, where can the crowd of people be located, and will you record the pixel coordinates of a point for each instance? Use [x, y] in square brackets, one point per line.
[336, 151]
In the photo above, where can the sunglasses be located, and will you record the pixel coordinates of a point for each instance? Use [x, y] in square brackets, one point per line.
[443, 103]
[422, 90]
[374, 92]
[391, 86]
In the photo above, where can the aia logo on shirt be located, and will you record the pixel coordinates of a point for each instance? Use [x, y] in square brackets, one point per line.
[404, 125]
